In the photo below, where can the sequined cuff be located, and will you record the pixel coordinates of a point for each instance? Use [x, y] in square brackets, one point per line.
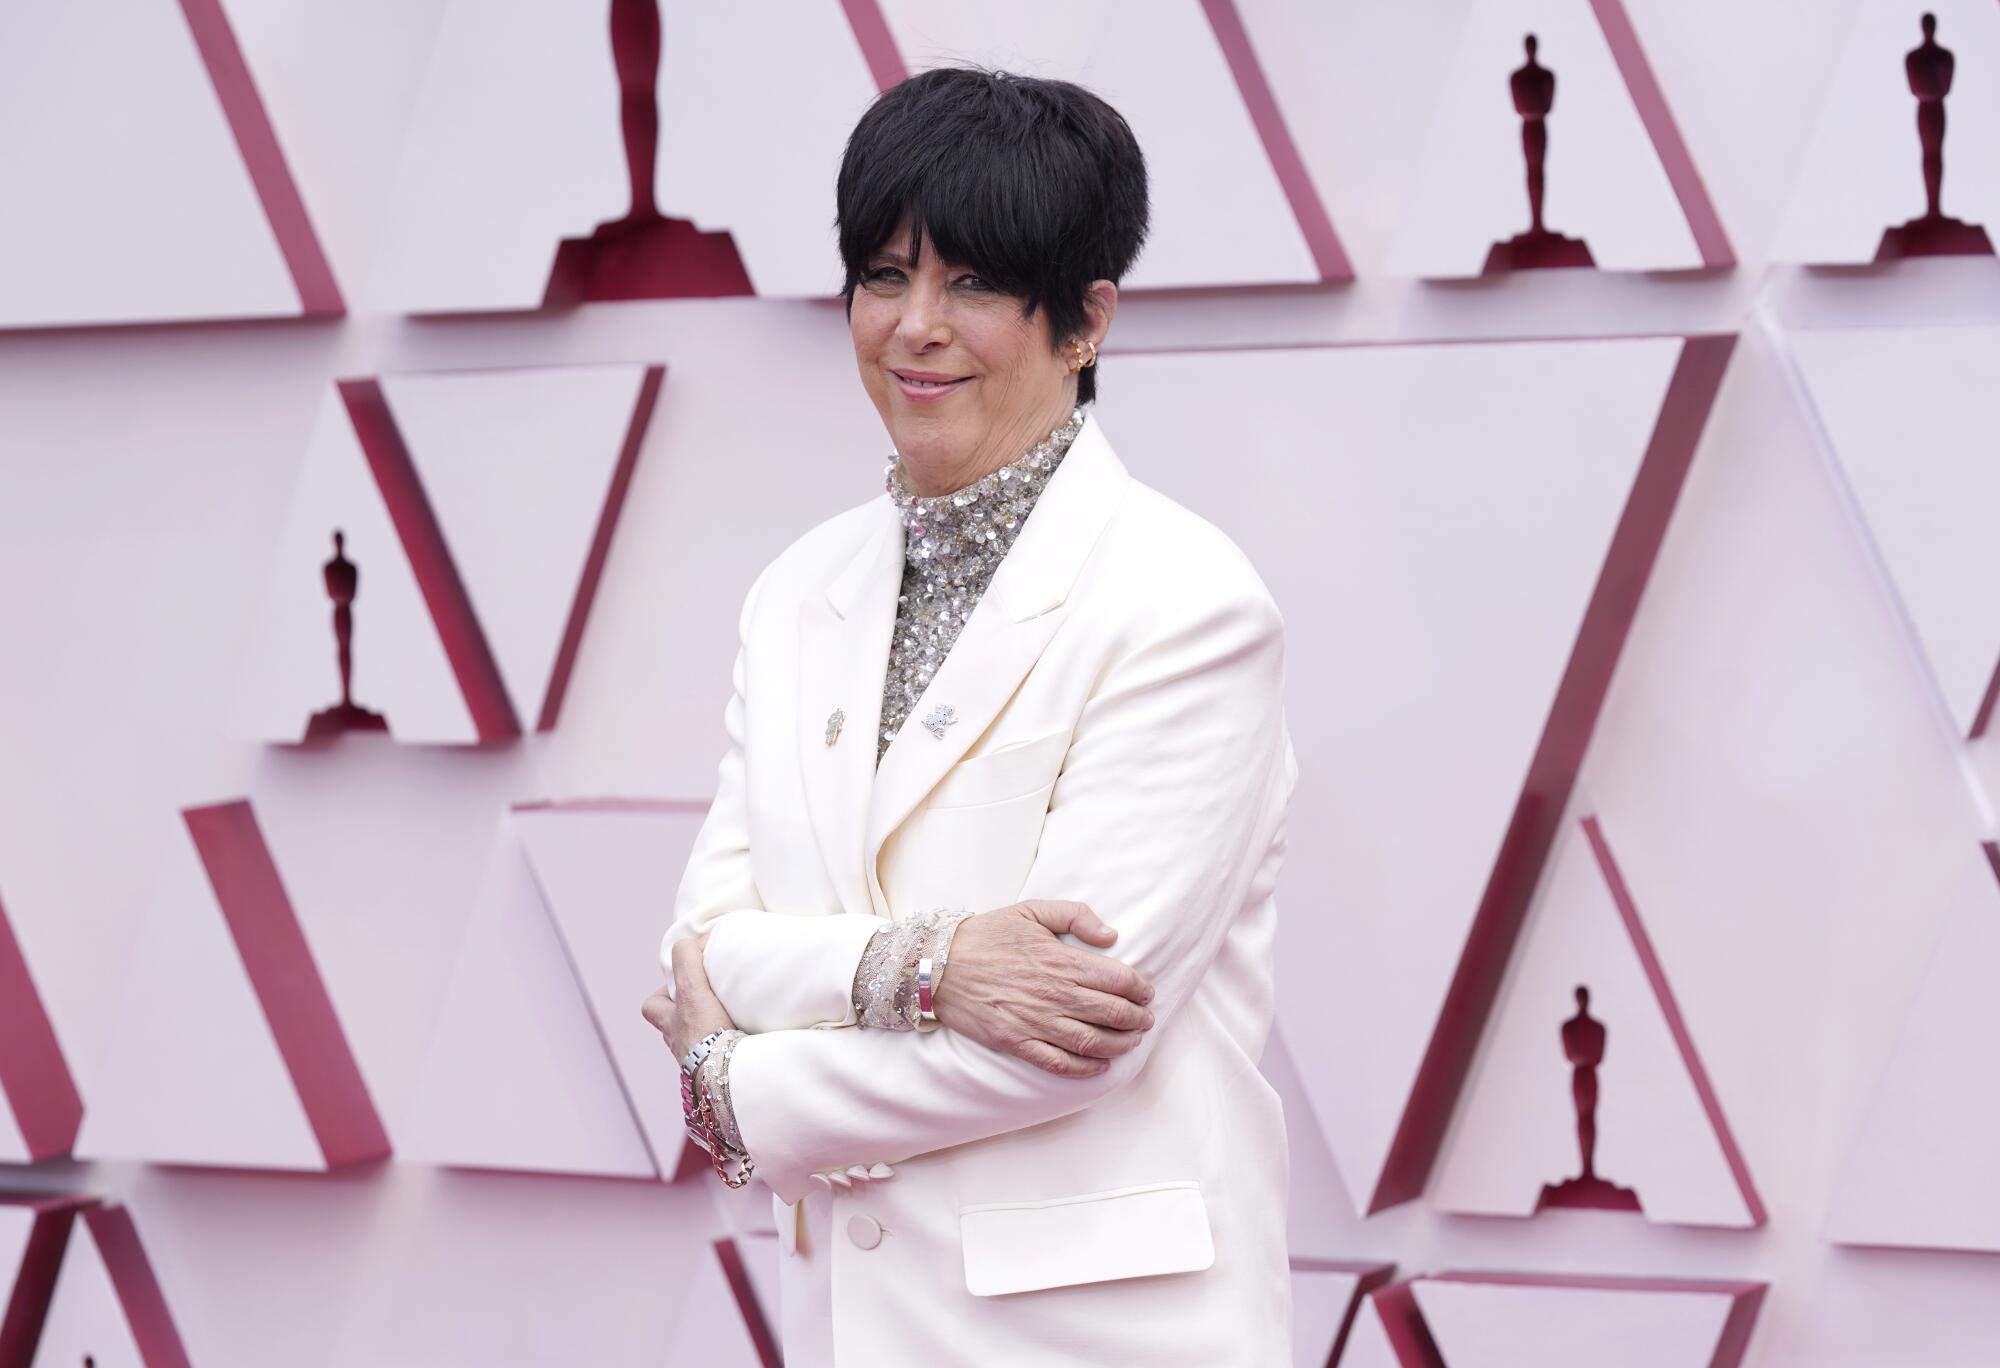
[713, 1078]
[885, 982]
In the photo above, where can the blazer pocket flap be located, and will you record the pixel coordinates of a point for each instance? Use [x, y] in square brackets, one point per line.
[1091, 1237]
[1016, 769]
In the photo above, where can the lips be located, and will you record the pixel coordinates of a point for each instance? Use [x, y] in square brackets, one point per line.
[927, 385]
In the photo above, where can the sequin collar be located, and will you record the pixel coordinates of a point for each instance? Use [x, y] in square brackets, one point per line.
[952, 546]
[984, 515]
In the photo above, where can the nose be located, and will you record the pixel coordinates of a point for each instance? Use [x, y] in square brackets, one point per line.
[923, 324]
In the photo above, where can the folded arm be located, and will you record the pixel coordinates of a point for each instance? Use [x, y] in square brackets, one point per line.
[1173, 793]
[772, 971]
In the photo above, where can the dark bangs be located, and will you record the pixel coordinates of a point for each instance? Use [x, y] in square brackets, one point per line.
[1037, 185]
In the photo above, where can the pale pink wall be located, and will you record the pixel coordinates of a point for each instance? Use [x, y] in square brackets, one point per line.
[1783, 775]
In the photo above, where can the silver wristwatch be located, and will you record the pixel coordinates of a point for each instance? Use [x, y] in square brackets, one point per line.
[698, 1052]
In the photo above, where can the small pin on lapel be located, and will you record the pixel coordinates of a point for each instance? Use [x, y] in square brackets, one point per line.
[833, 721]
[938, 718]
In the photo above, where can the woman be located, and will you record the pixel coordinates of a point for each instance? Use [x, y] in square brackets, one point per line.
[1021, 697]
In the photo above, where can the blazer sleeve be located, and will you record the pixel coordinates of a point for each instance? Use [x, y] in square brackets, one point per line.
[771, 970]
[1168, 811]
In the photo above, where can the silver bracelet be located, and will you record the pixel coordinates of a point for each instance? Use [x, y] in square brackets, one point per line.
[930, 968]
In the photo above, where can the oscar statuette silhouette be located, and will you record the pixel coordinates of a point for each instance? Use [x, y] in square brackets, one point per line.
[1534, 89]
[644, 254]
[1930, 67]
[1583, 1041]
[343, 584]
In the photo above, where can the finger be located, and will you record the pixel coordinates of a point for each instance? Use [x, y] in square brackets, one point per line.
[1047, 1057]
[659, 1010]
[1108, 1010]
[1060, 915]
[1086, 925]
[1108, 975]
[1092, 1042]
[689, 974]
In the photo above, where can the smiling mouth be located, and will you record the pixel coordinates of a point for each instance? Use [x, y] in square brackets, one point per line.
[928, 382]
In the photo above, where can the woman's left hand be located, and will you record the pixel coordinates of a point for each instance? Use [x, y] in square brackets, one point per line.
[694, 1010]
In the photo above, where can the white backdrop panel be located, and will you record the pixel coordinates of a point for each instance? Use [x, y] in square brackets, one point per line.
[1605, 182]
[1863, 170]
[1408, 776]
[166, 223]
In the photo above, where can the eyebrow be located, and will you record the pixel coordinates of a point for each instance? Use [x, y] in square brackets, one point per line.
[892, 257]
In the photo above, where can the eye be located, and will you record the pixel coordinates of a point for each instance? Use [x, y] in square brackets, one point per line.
[882, 275]
[972, 282]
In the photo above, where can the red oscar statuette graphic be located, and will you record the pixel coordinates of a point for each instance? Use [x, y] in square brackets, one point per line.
[343, 584]
[645, 254]
[1534, 90]
[1929, 65]
[1583, 1040]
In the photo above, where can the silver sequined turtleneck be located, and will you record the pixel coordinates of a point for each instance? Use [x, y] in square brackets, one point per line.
[952, 544]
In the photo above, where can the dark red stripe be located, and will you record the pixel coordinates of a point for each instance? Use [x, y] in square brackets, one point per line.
[747, 1305]
[465, 646]
[1496, 926]
[263, 158]
[35, 1278]
[600, 546]
[33, 1074]
[1315, 224]
[145, 1308]
[287, 982]
[1663, 993]
[1651, 102]
[1409, 1336]
[877, 43]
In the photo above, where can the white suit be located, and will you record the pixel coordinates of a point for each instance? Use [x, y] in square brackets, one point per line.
[1121, 741]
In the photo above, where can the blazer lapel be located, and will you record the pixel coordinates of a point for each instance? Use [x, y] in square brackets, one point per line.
[1002, 638]
[843, 655]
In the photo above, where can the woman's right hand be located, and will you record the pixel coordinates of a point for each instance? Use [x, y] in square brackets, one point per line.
[1013, 985]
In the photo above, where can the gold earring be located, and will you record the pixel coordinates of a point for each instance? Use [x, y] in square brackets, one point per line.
[1090, 360]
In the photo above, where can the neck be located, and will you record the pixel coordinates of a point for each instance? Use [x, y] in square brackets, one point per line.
[930, 479]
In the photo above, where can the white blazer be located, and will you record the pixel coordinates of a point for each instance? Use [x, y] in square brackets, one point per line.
[1120, 740]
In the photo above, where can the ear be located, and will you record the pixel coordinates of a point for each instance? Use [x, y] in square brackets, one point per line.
[1100, 306]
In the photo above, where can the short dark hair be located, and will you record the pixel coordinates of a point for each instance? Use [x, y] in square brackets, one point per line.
[1036, 184]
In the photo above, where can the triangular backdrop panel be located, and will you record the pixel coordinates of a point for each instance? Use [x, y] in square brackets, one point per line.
[526, 471]
[1908, 413]
[1660, 1130]
[1388, 1332]
[1477, 657]
[1919, 1170]
[1501, 1321]
[1326, 1294]
[108, 1308]
[183, 211]
[515, 146]
[1222, 213]
[517, 1076]
[731, 1320]
[39, 1105]
[794, 92]
[1863, 171]
[607, 871]
[1618, 175]
[242, 1062]
[1321, 1215]
[401, 666]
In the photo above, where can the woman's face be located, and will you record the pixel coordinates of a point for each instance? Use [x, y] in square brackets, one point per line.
[963, 382]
